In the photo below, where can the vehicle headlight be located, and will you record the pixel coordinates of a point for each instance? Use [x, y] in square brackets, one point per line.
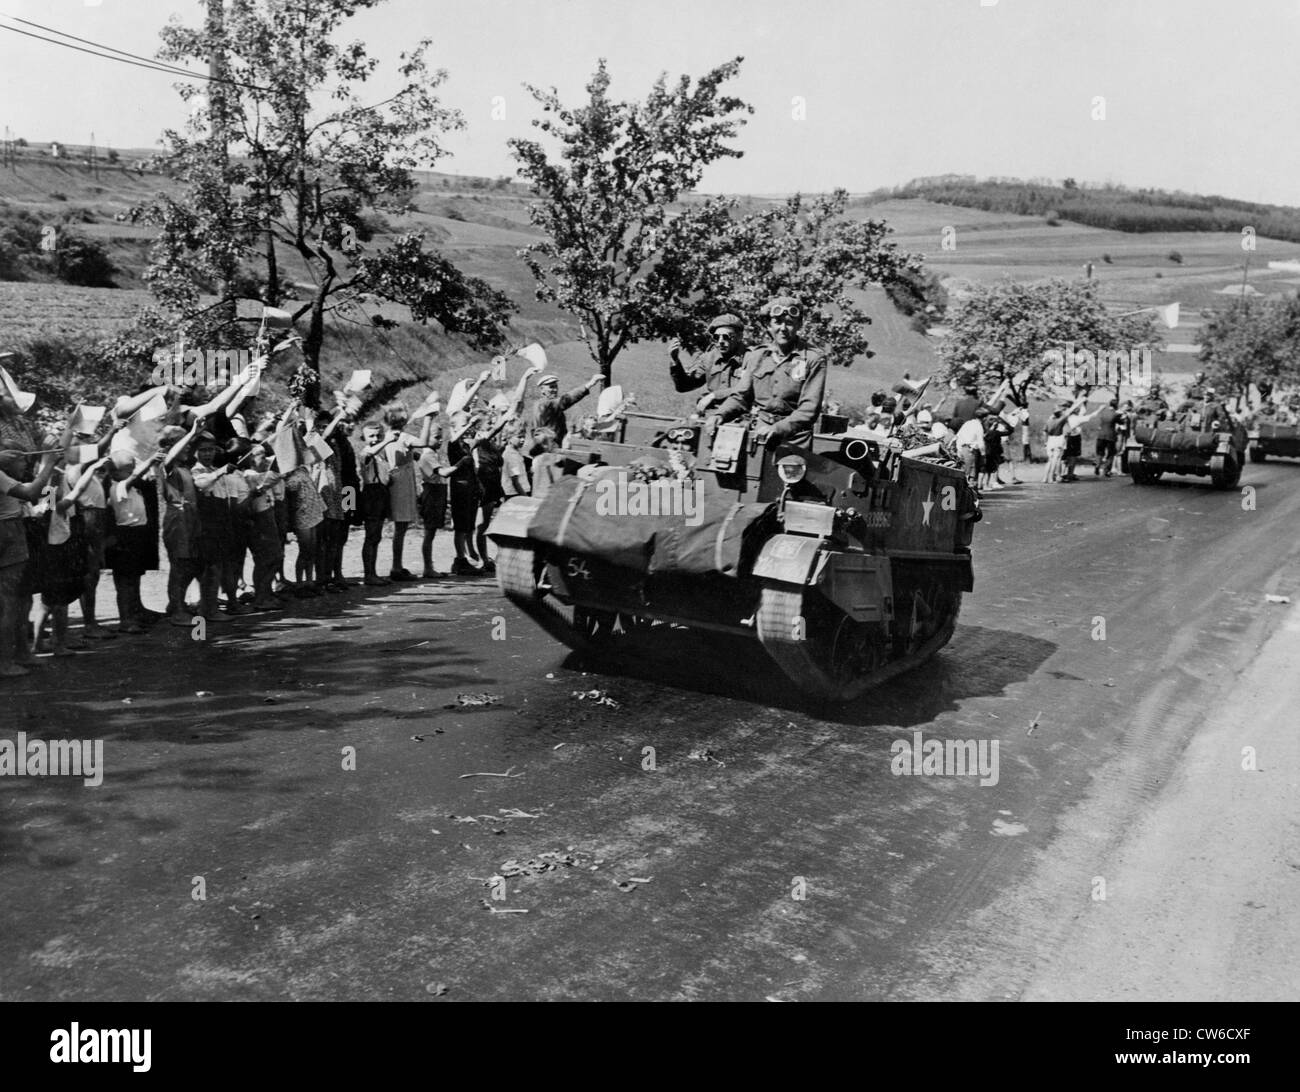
[792, 469]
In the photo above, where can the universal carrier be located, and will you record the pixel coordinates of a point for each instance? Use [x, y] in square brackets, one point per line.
[845, 558]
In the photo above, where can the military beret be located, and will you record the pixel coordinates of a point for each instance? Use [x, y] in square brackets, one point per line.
[726, 320]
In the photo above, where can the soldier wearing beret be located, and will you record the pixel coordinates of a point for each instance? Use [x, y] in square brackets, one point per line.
[717, 368]
[783, 383]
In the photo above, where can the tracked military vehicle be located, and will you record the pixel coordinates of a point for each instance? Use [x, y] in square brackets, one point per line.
[844, 558]
[1267, 435]
[1203, 439]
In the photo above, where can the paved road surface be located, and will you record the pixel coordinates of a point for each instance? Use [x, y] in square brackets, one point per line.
[328, 883]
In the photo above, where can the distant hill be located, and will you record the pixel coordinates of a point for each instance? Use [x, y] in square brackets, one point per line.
[1114, 207]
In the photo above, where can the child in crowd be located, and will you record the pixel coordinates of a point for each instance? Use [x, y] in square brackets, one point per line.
[268, 550]
[92, 505]
[433, 497]
[374, 499]
[332, 533]
[15, 495]
[467, 441]
[462, 492]
[60, 560]
[216, 520]
[132, 540]
[401, 451]
[514, 471]
[237, 451]
[307, 512]
[180, 523]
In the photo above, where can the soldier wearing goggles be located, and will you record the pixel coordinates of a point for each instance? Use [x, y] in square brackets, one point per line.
[783, 383]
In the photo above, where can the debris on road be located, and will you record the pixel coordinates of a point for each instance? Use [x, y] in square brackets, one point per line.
[1034, 724]
[470, 701]
[552, 861]
[598, 697]
[501, 910]
[631, 883]
[438, 989]
[1277, 599]
[203, 693]
[703, 754]
[506, 774]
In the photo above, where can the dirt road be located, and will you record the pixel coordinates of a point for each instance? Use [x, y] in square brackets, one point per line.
[759, 850]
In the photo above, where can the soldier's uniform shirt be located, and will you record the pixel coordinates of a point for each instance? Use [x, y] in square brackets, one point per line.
[710, 370]
[785, 391]
[549, 412]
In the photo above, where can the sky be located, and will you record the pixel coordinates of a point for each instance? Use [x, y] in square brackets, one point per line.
[1196, 95]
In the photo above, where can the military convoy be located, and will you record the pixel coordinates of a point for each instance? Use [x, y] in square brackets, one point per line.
[845, 558]
[1272, 437]
[1203, 440]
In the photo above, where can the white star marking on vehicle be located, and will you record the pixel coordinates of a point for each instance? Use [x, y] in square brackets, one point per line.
[926, 505]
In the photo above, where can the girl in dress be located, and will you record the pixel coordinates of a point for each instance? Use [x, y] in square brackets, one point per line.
[401, 451]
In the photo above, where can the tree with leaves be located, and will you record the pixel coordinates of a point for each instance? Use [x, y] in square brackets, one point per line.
[1007, 329]
[715, 259]
[1252, 341]
[635, 261]
[604, 204]
[281, 160]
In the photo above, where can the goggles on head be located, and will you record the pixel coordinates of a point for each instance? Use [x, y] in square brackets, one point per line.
[795, 312]
[681, 435]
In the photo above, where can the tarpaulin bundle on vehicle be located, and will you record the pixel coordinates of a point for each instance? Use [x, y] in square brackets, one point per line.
[1178, 434]
[663, 526]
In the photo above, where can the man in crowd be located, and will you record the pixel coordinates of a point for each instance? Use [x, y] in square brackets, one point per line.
[1074, 423]
[1107, 436]
[970, 445]
[548, 412]
[964, 408]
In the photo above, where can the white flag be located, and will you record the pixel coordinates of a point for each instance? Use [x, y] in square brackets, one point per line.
[534, 354]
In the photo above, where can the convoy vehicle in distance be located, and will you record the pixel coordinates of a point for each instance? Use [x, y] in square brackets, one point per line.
[1204, 440]
[1269, 437]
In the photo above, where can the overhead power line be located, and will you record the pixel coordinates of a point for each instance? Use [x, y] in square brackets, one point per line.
[123, 57]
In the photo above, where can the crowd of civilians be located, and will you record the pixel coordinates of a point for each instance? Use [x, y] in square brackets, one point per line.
[220, 485]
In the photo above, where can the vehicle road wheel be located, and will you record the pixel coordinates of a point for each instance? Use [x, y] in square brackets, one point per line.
[823, 651]
[1225, 471]
[1257, 454]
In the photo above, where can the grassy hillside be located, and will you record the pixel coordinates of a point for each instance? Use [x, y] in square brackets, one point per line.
[480, 224]
[1111, 207]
